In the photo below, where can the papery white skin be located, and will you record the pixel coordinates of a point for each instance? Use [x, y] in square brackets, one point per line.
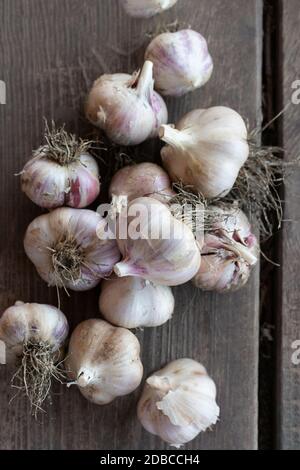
[98, 256]
[104, 361]
[133, 302]
[206, 150]
[165, 252]
[126, 106]
[178, 402]
[181, 62]
[50, 184]
[33, 322]
[143, 179]
[146, 8]
[229, 253]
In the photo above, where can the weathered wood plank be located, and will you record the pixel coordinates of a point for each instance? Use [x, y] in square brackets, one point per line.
[51, 53]
[288, 402]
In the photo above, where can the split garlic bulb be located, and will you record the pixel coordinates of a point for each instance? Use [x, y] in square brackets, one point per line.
[181, 62]
[126, 107]
[143, 179]
[33, 335]
[66, 251]
[157, 246]
[229, 253]
[133, 302]
[206, 150]
[147, 8]
[61, 173]
[104, 361]
[178, 402]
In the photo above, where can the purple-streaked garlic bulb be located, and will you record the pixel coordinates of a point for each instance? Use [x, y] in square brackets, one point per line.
[155, 245]
[126, 106]
[146, 8]
[66, 251]
[133, 302]
[178, 402]
[229, 253]
[181, 62]
[141, 180]
[61, 173]
[206, 150]
[34, 335]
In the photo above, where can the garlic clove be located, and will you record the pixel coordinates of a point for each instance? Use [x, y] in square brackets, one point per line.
[157, 246]
[64, 247]
[178, 402]
[206, 150]
[133, 302]
[147, 8]
[126, 107]
[104, 361]
[140, 180]
[181, 62]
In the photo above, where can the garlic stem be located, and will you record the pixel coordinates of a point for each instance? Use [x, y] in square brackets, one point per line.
[145, 83]
[244, 252]
[173, 137]
[124, 268]
[159, 383]
[84, 378]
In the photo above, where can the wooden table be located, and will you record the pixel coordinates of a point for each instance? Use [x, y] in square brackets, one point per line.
[51, 51]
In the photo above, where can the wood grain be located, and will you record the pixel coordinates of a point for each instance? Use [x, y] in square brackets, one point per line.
[51, 51]
[288, 402]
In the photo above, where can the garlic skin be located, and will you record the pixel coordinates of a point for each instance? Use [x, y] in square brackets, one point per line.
[126, 106]
[132, 302]
[33, 322]
[229, 253]
[64, 247]
[178, 402]
[143, 179]
[206, 150]
[104, 361]
[50, 184]
[147, 8]
[163, 250]
[181, 62]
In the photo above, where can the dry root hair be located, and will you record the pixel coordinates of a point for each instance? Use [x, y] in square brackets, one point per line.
[62, 147]
[39, 367]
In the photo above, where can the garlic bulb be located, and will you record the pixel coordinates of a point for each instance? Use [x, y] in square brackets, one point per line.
[229, 253]
[126, 107]
[178, 402]
[61, 173]
[104, 361]
[157, 246]
[64, 247]
[33, 335]
[133, 302]
[181, 62]
[147, 8]
[143, 179]
[206, 150]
